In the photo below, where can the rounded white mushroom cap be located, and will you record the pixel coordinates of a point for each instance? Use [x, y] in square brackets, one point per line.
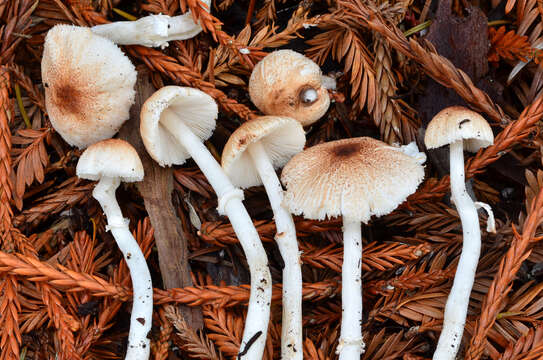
[193, 107]
[458, 123]
[110, 158]
[281, 137]
[286, 83]
[89, 85]
[355, 178]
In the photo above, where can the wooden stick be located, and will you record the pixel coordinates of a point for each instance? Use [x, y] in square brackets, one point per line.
[156, 190]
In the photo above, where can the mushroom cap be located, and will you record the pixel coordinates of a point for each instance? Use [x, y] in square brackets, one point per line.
[458, 123]
[114, 158]
[281, 137]
[356, 178]
[89, 85]
[193, 107]
[286, 83]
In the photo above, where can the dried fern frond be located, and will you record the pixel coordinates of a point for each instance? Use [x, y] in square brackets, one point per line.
[527, 347]
[377, 256]
[70, 193]
[198, 345]
[423, 276]
[383, 346]
[435, 65]
[407, 310]
[30, 159]
[393, 125]
[508, 46]
[225, 329]
[344, 44]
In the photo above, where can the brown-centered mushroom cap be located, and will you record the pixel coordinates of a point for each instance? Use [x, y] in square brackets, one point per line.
[356, 178]
[286, 83]
[458, 123]
[281, 137]
[89, 84]
[110, 158]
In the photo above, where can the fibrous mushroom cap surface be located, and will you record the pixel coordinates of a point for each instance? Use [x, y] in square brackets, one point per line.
[281, 137]
[110, 158]
[458, 123]
[89, 84]
[356, 178]
[278, 81]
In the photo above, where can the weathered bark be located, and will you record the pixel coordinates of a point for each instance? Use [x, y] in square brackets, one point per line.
[156, 190]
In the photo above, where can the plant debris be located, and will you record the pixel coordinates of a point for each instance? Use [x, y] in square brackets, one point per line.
[65, 289]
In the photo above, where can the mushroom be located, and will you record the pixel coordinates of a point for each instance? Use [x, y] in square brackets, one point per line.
[250, 158]
[152, 30]
[89, 85]
[110, 162]
[462, 129]
[355, 178]
[174, 123]
[286, 83]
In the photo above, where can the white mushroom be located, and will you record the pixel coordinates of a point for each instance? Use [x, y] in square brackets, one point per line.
[354, 178]
[174, 123]
[110, 162]
[250, 158]
[462, 129]
[89, 85]
[151, 31]
[286, 83]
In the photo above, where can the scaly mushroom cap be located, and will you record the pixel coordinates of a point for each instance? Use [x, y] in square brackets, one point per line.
[286, 83]
[89, 85]
[193, 107]
[110, 158]
[356, 178]
[281, 137]
[458, 123]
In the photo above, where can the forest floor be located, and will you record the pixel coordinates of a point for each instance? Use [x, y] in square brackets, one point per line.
[64, 286]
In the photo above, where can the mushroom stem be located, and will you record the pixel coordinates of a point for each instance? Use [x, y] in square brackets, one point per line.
[150, 31]
[142, 307]
[457, 304]
[230, 204]
[291, 332]
[351, 344]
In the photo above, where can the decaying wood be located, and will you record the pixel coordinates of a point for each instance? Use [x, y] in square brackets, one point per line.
[156, 190]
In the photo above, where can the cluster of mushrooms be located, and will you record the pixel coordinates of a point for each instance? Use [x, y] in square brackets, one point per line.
[89, 87]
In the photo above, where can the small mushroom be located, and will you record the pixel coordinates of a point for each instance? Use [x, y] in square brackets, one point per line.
[89, 85]
[250, 158]
[174, 123]
[109, 162]
[286, 83]
[151, 31]
[462, 129]
[354, 178]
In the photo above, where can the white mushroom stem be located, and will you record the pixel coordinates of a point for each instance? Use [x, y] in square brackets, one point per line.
[291, 331]
[258, 313]
[150, 31]
[457, 304]
[142, 307]
[351, 344]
